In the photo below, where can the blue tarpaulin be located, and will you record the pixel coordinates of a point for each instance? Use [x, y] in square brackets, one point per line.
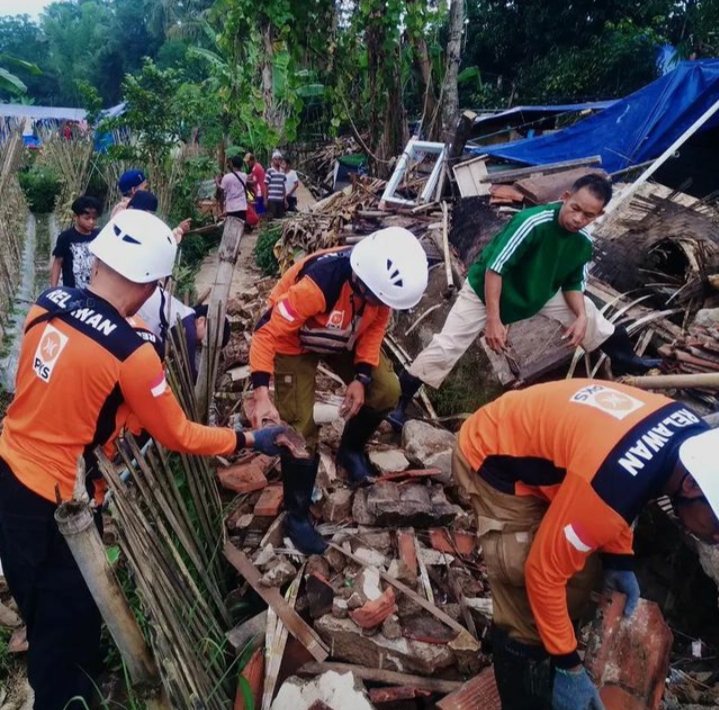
[632, 130]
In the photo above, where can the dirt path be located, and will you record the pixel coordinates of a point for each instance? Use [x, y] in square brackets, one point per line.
[246, 272]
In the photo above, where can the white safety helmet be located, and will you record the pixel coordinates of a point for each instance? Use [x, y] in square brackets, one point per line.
[393, 265]
[698, 455]
[138, 245]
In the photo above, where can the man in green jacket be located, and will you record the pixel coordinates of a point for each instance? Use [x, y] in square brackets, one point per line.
[537, 264]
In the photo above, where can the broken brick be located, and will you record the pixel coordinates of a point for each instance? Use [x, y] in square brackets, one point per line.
[410, 473]
[248, 475]
[380, 696]
[320, 595]
[373, 613]
[270, 502]
[479, 692]
[407, 551]
[253, 674]
[459, 543]
[629, 657]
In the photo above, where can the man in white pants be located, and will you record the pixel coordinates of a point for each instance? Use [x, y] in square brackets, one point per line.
[537, 264]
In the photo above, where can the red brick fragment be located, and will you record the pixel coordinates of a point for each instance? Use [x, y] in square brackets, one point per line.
[373, 613]
[460, 543]
[407, 551]
[378, 696]
[479, 692]
[409, 473]
[629, 657]
[253, 673]
[269, 503]
[247, 475]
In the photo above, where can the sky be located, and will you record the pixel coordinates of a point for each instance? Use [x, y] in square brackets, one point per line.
[23, 7]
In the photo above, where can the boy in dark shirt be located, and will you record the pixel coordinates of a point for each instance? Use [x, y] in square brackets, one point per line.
[72, 254]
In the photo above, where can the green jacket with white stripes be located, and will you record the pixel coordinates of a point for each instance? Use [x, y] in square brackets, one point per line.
[536, 258]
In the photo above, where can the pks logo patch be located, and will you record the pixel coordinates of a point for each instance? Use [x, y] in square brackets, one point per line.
[610, 401]
[51, 344]
[336, 320]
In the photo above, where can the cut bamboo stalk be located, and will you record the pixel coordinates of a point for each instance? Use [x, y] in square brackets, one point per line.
[708, 380]
[77, 525]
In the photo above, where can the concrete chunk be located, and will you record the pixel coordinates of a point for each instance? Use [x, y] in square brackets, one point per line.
[428, 446]
[387, 504]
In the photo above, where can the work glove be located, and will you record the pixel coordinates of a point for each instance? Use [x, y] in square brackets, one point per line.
[265, 440]
[625, 582]
[574, 690]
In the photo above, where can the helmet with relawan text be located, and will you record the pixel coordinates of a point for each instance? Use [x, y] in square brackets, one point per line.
[698, 456]
[393, 265]
[138, 245]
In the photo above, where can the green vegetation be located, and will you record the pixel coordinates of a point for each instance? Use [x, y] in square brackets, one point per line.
[265, 249]
[221, 72]
[41, 186]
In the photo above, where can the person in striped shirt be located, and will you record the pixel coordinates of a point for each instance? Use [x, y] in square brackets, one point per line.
[276, 181]
[537, 264]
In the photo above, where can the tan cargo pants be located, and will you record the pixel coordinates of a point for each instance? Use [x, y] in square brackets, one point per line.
[295, 388]
[467, 319]
[506, 526]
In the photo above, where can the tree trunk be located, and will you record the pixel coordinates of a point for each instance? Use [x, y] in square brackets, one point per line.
[450, 93]
[423, 62]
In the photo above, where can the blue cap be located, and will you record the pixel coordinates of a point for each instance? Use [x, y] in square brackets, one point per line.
[130, 179]
[143, 200]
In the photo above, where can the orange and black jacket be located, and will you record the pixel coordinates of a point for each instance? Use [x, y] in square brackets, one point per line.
[597, 453]
[315, 308]
[83, 371]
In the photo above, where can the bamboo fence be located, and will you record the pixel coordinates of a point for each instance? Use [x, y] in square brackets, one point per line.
[170, 526]
[13, 217]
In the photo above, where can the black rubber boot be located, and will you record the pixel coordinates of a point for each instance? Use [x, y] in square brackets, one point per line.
[409, 385]
[523, 673]
[625, 361]
[298, 482]
[351, 454]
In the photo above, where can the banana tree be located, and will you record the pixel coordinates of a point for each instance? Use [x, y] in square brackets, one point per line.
[9, 82]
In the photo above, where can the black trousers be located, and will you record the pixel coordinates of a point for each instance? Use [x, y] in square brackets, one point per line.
[63, 621]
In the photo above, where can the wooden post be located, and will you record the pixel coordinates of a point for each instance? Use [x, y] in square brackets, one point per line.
[75, 521]
[220, 294]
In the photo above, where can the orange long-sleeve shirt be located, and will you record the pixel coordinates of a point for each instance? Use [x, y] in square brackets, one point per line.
[598, 452]
[313, 308]
[78, 373]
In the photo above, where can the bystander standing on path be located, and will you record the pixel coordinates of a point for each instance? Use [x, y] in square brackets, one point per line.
[275, 180]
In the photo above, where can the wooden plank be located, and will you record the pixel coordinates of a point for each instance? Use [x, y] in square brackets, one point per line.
[519, 173]
[305, 634]
[431, 608]
[380, 676]
[549, 188]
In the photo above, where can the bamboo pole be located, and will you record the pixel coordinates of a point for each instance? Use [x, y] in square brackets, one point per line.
[75, 522]
[708, 380]
[226, 260]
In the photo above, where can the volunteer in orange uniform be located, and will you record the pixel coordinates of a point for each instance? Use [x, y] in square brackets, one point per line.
[556, 473]
[84, 366]
[333, 306]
